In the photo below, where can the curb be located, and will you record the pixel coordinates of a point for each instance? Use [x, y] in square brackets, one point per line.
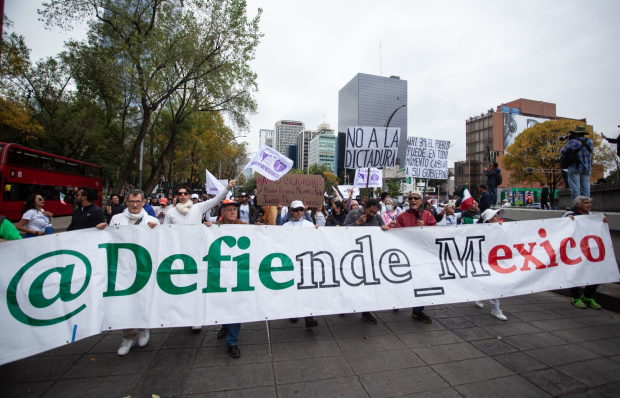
[607, 295]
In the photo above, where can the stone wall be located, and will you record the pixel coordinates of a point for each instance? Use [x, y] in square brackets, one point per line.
[605, 197]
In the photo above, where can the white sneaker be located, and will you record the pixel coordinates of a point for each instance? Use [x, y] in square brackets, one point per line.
[196, 329]
[498, 314]
[143, 338]
[125, 347]
[479, 304]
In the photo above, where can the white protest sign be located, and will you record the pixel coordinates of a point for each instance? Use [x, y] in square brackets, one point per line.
[213, 185]
[345, 189]
[376, 178]
[77, 284]
[270, 163]
[371, 147]
[427, 158]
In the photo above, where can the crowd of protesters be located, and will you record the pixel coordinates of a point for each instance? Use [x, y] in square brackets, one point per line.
[187, 208]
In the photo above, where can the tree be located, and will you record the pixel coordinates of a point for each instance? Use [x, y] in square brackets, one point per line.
[194, 53]
[539, 147]
[17, 123]
[329, 177]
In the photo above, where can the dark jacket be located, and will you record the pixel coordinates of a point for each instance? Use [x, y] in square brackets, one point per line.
[252, 210]
[492, 176]
[115, 209]
[86, 217]
[544, 193]
[470, 217]
[336, 219]
[356, 214]
[485, 201]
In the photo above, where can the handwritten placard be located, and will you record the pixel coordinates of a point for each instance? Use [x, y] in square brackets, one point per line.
[307, 188]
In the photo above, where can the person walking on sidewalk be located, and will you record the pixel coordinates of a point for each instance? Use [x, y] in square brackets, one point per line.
[491, 216]
[134, 214]
[494, 178]
[581, 207]
[544, 196]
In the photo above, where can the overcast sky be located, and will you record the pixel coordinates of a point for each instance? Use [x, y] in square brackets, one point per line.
[460, 58]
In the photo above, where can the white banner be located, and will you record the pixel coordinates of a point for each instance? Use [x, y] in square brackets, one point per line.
[371, 147]
[376, 178]
[58, 288]
[270, 163]
[346, 189]
[427, 158]
[212, 184]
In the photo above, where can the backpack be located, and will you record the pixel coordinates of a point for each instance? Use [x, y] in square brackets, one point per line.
[571, 158]
[498, 178]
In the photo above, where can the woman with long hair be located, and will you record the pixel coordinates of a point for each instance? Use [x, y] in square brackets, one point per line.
[34, 218]
[339, 214]
[319, 217]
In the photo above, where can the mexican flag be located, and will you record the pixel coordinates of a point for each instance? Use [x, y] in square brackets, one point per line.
[466, 198]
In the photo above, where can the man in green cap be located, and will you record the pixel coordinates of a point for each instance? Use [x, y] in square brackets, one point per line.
[577, 159]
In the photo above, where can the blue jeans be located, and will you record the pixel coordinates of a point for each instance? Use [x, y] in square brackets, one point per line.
[579, 181]
[232, 334]
[493, 193]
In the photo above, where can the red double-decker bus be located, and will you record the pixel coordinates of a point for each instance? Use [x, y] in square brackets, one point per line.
[24, 171]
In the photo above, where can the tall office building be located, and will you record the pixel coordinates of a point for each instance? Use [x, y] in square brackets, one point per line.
[322, 149]
[303, 144]
[265, 137]
[285, 134]
[369, 100]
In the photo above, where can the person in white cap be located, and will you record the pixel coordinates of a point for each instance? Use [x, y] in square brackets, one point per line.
[297, 220]
[491, 216]
[506, 203]
[195, 198]
[134, 214]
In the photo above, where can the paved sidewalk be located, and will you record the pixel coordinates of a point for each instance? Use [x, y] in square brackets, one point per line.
[546, 348]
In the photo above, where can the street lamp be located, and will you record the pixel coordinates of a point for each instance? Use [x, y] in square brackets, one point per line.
[387, 124]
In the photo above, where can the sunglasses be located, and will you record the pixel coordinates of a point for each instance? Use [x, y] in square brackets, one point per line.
[182, 193]
[415, 198]
[299, 209]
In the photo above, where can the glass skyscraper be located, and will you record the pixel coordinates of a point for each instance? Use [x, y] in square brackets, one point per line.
[369, 100]
[285, 134]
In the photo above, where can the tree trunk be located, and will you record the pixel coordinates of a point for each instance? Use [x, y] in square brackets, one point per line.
[135, 151]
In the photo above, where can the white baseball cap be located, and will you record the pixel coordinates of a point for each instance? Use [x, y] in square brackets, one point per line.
[195, 196]
[296, 204]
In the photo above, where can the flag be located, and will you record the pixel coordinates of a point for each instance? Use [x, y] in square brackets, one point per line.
[212, 184]
[270, 163]
[466, 199]
[376, 178]
[62, 198]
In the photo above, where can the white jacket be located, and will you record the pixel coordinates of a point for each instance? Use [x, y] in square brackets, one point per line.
[194, 216]
[121, 219]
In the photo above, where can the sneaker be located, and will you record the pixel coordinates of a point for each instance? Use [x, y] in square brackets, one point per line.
[196, 329]
[367, 316]
[143, 338]
[590, 303]
[311, 322]
[293, 320]
[125, 347]
[222, 333]
[395, 310]
[498, 314]
[233, 351]
[421, 316]
[479, 304]
[578, 303]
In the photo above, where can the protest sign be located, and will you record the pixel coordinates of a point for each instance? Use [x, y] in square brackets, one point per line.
[270, 163]
[427, 158]
[361, 181]
[84, 282]
[307, 188]
[345, 189]
[213, 185]
[371, 147]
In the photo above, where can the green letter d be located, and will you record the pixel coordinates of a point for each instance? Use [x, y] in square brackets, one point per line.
[144, 267]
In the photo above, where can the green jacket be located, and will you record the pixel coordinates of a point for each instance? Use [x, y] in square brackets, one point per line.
[8, 230]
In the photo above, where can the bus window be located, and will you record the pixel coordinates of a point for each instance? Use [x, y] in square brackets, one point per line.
[15, 156]
[92, 171]
[31, 159]
[72, 168]
[47, 163]
[61, 164]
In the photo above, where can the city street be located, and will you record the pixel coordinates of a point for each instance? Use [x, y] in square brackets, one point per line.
[546, 348]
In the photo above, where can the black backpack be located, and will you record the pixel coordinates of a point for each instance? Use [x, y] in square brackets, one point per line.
[571, 158]
[498, 178]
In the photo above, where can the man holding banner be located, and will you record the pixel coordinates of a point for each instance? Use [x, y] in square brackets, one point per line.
[134, 214]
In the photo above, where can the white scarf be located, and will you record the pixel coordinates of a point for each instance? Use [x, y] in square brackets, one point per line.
[132, 216]
[183, 208]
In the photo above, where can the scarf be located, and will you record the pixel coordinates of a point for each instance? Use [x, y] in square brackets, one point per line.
[132, 216]
[183, 208]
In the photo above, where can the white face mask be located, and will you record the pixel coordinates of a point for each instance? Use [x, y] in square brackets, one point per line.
[388, 207]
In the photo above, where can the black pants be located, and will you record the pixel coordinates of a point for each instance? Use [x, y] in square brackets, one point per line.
[544, 204]
[575, 292]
